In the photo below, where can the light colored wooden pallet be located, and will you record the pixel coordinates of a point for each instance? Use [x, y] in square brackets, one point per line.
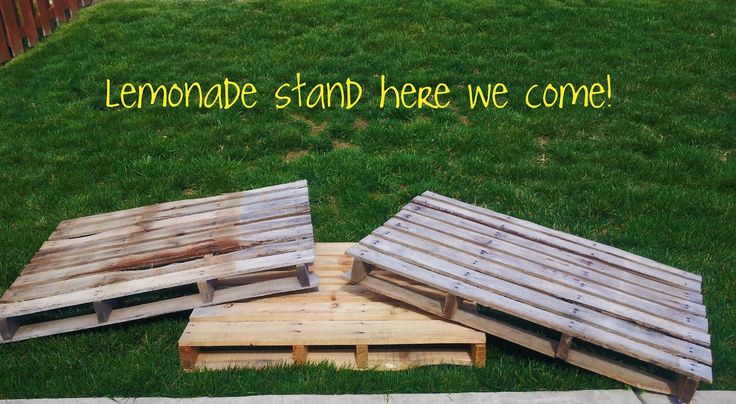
[103, 259]
[340, 323]
[582, 289]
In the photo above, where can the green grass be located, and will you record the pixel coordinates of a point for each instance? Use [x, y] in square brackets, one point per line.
[654, 173]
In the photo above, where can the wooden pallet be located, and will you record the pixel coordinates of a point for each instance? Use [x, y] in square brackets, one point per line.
[584, 290]
[115, 267]
[340, 323]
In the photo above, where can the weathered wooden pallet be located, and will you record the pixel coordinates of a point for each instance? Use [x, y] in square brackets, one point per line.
[116, 266]
[581, 289]
[340, 323]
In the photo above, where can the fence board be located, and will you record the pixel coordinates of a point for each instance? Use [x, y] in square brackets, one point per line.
[4, 49]
[12, 26]
[44, 16]
[73, 7]
[28, 21]
[60, 10]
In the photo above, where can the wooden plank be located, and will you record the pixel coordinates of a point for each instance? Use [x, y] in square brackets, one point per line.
[569, 237]
[315, 306]
[60, 10]
[509, 244]
[662, 276]
[583, 331]
[306, 332]
[188, 225]
[192, 223]
[136, 261]
[12, 26]
[380, 358]
[44, 15]
[29, 21]
[171, 210]
[618, 371]
[158, 308]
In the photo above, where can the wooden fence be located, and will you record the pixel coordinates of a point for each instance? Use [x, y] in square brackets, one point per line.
[25, 22]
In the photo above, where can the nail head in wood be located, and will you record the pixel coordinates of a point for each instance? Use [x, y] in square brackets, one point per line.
[300, 353]
[361, 356]
[302, 273]
[563, 347]
[8, 327]
[207, 289]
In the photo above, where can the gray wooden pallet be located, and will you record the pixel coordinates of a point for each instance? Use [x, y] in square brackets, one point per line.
[580, 288]
[101, 259]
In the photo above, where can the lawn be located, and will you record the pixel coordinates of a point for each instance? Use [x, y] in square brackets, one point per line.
[653, 173]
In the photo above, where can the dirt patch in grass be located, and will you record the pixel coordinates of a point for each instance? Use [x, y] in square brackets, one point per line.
[314, 127]
[318, 128]
[341, 144]
[360, 124]
[295, 155]
[464, 120]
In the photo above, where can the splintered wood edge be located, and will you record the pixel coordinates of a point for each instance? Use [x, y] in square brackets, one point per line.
[618, 371]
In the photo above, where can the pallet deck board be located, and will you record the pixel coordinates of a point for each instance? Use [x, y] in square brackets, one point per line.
[99, 259]
[580, 288]
[340, 322]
